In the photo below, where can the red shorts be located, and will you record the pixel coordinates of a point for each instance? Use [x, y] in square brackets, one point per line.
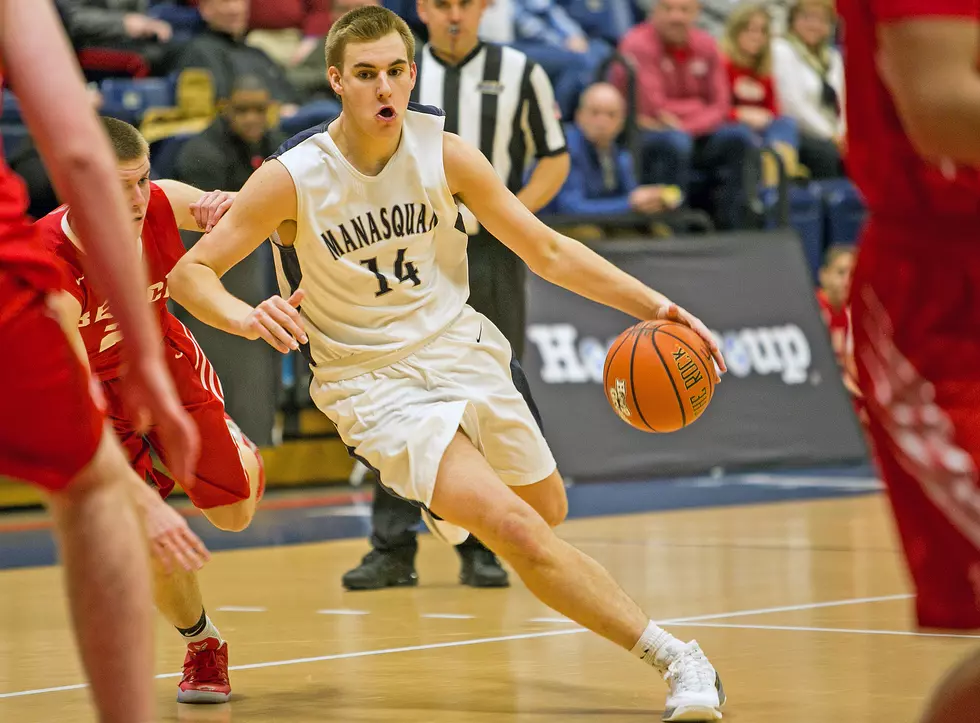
[915, 304]
[50, 427]
[220, 478]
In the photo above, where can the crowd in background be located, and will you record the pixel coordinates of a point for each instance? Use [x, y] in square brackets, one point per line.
[710, 85]
[666, 103]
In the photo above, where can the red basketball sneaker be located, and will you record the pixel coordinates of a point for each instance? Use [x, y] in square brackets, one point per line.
[205, 673]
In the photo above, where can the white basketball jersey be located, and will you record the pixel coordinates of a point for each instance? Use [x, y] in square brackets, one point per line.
[382, 258]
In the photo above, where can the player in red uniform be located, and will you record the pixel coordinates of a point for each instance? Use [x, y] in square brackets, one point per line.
[913, 90]
[51, 432]
[229, 480]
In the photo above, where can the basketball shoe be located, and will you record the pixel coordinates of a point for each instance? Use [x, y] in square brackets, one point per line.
[205, 673]
[696, 693]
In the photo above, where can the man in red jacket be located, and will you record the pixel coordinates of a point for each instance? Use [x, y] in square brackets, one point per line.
[684, 104]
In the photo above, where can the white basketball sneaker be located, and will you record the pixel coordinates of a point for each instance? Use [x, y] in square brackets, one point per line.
[696, 693]
[448, 533]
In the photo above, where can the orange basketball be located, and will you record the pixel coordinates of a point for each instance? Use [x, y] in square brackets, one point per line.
[657, 376]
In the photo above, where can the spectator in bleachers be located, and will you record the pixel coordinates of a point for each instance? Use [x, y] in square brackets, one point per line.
[832, 296]
[222, 51]
[119, 25]
[684, 107]
[239, 140]
[608, 20]
[407, 10]
[747, 51]
[289, 30]
[601, 181]
[309, 75]
[497, 23]
[547, 34]
[809, 75]
[223, 157]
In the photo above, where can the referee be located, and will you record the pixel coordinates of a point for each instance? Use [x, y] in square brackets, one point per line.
[502, 103]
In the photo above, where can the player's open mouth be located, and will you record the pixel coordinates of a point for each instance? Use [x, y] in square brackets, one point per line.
[387, 113]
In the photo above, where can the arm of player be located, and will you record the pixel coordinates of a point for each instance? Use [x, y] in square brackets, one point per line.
[545, 182]
[267, 200]
[171, 539]
[552, 256]
[930, 66]
[194, 209]
[44, 74]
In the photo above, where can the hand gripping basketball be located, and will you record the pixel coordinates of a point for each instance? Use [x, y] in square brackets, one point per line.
[675, 313]
[660, 375]
[278, 322]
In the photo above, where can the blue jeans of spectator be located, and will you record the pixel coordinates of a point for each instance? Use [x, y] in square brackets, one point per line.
[720, 158]
[782, 130]
[570, 72]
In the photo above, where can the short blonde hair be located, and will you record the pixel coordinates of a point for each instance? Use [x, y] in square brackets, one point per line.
[126, 140]
[364, 25]
[738, 21]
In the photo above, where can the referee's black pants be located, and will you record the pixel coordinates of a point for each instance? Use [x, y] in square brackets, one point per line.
[498, 291]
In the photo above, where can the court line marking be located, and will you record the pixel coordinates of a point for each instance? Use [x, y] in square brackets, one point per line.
[804, 629]
[343, 612]
[480, 641]
[241, 609]
[551, 620]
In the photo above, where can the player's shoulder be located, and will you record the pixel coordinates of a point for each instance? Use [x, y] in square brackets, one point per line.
[426, 110]
[296, 141]
[58, 240]
[55, 234]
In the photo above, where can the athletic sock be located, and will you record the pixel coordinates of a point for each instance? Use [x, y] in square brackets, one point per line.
[657, 647]
[201, 630]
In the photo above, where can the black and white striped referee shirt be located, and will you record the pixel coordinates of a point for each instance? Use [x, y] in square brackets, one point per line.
[498, 100]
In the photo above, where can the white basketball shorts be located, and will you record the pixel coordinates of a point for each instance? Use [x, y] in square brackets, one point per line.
[400, 418]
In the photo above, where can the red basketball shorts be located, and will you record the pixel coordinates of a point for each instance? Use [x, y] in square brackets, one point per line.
[916, 312]
[51, 426]
[221, 478]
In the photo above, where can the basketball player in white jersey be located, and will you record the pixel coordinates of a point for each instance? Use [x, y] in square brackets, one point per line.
[371, 253]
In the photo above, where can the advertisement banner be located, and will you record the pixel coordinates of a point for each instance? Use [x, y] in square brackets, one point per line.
[781, 403]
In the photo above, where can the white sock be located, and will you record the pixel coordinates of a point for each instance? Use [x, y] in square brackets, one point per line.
[201, 631]
[657, 647]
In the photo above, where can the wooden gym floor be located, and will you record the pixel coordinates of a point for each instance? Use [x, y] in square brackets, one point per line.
[802, 605]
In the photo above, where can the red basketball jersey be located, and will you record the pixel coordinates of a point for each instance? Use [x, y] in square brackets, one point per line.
[20, 253]
[896, 181]
[160, 248]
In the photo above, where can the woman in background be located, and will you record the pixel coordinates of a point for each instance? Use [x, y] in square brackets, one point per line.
[809, 73]
[747, 53]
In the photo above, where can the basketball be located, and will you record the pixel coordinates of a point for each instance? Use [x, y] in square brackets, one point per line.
[657, 376]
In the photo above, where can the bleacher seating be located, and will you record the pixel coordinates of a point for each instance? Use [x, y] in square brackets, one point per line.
[185, 21]
[128, 98]
[805, 215]
[101, 63]
[164, 154]
[11, 109]
[845, 212]
[13, 135]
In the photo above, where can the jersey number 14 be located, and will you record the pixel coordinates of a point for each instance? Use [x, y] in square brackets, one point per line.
[404, 271]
